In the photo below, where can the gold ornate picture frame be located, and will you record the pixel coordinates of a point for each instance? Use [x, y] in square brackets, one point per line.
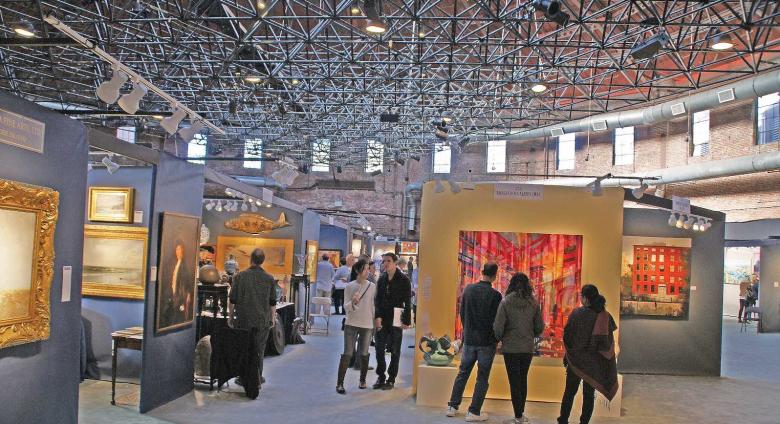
[115, 261]
[28, 219]
[111, 204]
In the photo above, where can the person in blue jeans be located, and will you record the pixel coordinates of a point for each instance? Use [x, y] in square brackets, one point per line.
[478, 308]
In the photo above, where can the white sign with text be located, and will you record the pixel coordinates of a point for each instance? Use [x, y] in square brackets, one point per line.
[518, 192]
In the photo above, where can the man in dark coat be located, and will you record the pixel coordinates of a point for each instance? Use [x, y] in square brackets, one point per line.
[177, 289]
[394, 290]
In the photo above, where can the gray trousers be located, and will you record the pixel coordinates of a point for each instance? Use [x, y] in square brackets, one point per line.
[356, 334]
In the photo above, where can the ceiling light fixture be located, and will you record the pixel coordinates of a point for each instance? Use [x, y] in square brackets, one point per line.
[295, 81]
[639, 191]
[188, 133]
[538, 88]
[218, 208]
[439, 186]
[131, 101]
[672, 220]
[649, 47]
[24, 28]
[261, 5]
[375, 27]
[552, 11]
[108, 91]
[171, 123]
[253, 79]
[722, 42]
[111, 166]
[374, 22]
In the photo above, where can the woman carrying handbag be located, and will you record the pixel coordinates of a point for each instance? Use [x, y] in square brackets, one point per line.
[359, 305]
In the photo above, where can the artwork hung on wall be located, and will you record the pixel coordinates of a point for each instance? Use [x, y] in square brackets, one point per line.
[251, 223]
[408, 248]
[740, 264]
[312, 257]
[278, 253]
[382, 247]
[114, 261]
[553, 263]
[111, 204]
[334, 256]
[655, 277]
[176, 270]
[28, 218]
[357, 246]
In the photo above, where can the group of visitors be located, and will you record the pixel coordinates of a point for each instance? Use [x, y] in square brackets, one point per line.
[748, 297]
[513, 323]
[331, 282]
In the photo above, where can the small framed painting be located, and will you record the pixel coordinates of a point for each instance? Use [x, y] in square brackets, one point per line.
[111, 204]
[114, 261]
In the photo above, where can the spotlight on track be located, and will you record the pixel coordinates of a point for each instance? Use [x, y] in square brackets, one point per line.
[108, 91]
[111, 166]
[595, 185]
[552, 11]
[722, 42]
[187, 134]
[261, 5]
[672, 220]
[171, 123]
[639, 191]
[131, 101]
[24, 28]
[439, 186]
[454, 187]
[649, 47]
[374, 22]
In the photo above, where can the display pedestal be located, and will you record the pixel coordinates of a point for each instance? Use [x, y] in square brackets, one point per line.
[545, 384]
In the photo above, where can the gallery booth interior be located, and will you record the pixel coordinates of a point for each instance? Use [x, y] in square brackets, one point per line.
[148, 147]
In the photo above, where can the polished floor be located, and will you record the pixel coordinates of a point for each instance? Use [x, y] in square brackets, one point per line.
[300, 389]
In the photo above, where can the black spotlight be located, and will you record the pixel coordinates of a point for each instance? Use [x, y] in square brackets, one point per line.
[399, 160]
[552, 11]
[303, 169]
[339, 169]
[649, 47]
[376, 172]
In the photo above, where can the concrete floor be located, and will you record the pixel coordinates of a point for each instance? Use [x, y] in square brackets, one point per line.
[300, 388]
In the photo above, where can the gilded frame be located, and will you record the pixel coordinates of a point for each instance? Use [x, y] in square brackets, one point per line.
[127, 211]
[312, 257]
[277, 270]
[124, 291]
[43, 202]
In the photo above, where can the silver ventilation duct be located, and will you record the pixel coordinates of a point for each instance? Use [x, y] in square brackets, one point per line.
[756, 86]
[259, 181]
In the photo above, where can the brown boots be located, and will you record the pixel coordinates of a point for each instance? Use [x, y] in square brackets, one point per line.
[363, 371]
[343, 365]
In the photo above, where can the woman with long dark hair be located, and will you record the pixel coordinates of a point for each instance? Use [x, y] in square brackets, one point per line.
[518, 321]
[359, 304]
[590, 354]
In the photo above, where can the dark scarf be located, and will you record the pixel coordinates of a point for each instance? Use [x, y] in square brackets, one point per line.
[594, 361]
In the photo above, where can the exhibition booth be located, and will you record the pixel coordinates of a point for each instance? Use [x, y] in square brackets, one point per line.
[660, 281]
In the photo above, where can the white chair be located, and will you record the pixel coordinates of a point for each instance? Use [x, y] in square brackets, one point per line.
[321, 310]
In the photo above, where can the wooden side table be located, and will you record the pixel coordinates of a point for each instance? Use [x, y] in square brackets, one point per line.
[130, 338]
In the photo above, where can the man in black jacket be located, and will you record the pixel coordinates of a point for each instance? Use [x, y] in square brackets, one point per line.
[478, 308]
[393, 290]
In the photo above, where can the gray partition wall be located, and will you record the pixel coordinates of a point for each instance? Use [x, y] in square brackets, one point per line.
[678, 347]
[41, 379]
[103, 315]
[168, 359]
[769, 292]
[215, 221]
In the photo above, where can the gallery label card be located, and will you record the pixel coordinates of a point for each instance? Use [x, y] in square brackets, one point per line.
[138, 217]
[21, 131]
[518, 192]
[67, 273]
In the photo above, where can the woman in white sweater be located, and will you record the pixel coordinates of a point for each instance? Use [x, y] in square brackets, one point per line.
[359, 304]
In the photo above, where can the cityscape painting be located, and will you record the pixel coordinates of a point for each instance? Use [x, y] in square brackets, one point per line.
[553, 263]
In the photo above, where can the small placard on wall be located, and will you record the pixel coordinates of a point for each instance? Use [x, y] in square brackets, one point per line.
[153, 274]
[67, 272]
[693, 288]
[138, 217]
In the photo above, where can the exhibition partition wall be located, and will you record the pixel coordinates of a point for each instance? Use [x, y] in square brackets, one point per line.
[42, 377]
[687, 345]
[769, 293]
[168, 357]
[562, 237]
[335, 238]
[106, 314]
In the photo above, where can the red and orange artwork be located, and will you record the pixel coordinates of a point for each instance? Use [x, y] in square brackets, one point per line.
[553, 263]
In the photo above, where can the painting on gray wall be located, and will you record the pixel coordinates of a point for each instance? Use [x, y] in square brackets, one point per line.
[178, 259]
[655, 277]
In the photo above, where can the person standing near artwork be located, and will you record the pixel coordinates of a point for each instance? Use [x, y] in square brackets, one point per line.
[478, 309]
[394, 291]
[325, 274]
[340, 280]
[254, 295]
[410, 266]
[360, 294]
[231, 266]
[743, 288]
[590, 354]
[177, 291]
[518, 321]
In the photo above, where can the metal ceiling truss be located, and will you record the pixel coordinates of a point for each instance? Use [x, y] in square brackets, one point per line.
[323, 76]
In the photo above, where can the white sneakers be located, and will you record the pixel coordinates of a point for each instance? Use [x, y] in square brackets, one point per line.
[473, 418]
[523, 420]
[451, 411]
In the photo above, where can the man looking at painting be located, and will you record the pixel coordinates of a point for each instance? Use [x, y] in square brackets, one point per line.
[177, 295]
[325, 274]
[394, 291]
[254, 295]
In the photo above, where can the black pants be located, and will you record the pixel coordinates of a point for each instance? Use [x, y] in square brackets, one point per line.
[388, 338]
[517, 365]
[338, 301]
[588, 398]
[742, 303]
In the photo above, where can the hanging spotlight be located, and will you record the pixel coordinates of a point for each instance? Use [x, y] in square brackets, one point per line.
[295, 81]
[696, 225]
[108, 91]
[229, 192]
[261, 5]
[538, 88]
[722, 42]
[376, 27]
[649, 47]
[639, 191]
[131, 101]
[209, 206]
[672, 220]
[454, 187]
[552, 11]
[374, 22]
[680, 221]
[254, 207]
[244, 207]
[171, 123]
[355, 9]
[253, 79]
[688, 223]
[111, 166]
[24, 28]
[218, 208]
[187, 134]
[597, 190]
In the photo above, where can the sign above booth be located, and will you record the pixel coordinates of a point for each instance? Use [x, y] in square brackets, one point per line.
[518, 192]
[20, 131]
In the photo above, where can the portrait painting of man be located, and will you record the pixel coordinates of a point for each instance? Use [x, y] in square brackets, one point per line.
[177, 271]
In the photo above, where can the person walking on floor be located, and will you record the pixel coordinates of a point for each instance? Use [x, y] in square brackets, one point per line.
[518, 321]
[325, 274]
[359, 323]
[340, 280]
[590, 354]
[393, 291]
[478, 309]
[254, 295]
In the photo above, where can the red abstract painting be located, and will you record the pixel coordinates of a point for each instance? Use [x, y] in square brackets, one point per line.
[553, 263]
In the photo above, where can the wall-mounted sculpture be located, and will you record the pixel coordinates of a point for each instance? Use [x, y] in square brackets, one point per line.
[256, 224]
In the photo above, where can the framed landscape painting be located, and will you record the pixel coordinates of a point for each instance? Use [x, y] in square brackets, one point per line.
[28, 217]
[334, 256]
[176, 271]
[278, 253]
[114, 261]
[111, 204]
